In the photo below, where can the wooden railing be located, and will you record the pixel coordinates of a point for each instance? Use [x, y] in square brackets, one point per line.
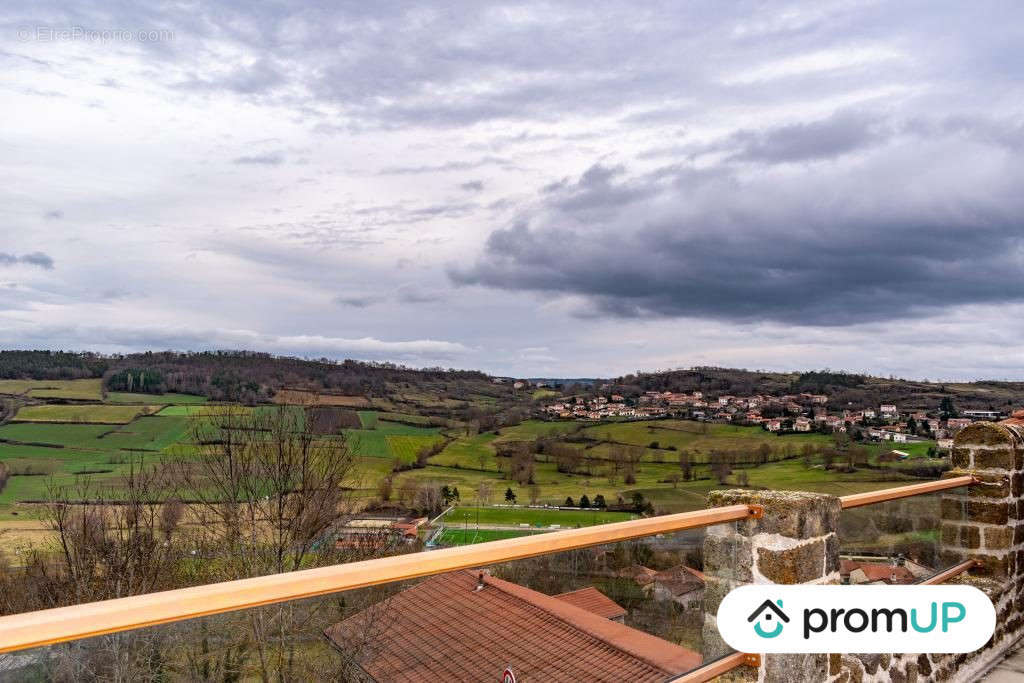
[63, 624]
[884, 495]
[947, 574]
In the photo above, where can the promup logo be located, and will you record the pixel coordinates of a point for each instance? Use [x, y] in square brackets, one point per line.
[765, 614]
[856, 618]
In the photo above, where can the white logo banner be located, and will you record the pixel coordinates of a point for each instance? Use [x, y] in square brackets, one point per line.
[773, 618]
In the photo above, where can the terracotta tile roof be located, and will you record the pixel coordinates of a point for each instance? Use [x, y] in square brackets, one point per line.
[680, 579]
[639, 573]
[444, 630]
[877, 571]
[595, 601]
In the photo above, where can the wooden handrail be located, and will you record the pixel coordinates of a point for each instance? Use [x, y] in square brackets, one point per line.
[859, 499]
[946, 575]
[62, 624]
[719, 667]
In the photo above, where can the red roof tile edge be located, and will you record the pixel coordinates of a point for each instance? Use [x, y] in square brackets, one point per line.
[593, 600]
[662, 654]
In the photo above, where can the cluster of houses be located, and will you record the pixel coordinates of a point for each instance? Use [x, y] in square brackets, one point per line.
[601, 407]
[803, 412]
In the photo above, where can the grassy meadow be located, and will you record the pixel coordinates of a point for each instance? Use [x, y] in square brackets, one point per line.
[70, 389]
[83, 413]
[58, 443]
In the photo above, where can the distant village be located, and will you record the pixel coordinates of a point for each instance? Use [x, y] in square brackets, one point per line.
[784, 414]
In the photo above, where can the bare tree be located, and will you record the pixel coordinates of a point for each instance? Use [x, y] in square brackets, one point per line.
[267, 493]
[483, 494]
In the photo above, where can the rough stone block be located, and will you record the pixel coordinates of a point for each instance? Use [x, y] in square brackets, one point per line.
[924, 665]
[998, 538]
[999, 458]
[960, 458]
[714, 646]
[728, 557]
[835, 664]
[795, 514]
[984, 434]
[799, 564]
[831, 553]
[970, 537]
[715, 590]
[990, 486]
[953, 509]
[856, 668]
[801, 668]
[989, 513]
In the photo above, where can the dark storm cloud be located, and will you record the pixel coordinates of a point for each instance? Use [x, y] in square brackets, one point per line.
[36, 258]
[825, 244]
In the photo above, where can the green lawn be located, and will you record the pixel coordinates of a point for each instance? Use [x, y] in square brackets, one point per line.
[155, 399]
[78, 413]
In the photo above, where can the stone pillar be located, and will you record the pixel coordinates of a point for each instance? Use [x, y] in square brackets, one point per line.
[794, 542]
[985, 522]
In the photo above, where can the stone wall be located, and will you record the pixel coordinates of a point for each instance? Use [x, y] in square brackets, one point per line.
[984, 522]
[796, 542]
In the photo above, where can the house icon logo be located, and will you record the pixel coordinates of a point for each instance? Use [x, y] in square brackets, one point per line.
[765, 615]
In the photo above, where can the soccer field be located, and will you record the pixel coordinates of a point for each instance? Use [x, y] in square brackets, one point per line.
[535, 517]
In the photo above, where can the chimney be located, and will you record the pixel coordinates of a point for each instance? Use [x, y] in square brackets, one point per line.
[480, 582]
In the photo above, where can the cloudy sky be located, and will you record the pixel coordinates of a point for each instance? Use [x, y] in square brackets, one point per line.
[535, 189]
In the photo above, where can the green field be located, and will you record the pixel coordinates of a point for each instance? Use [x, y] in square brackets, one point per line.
[389, 439]
[36, 469]
[699, 439]
[155, 399]
[82, 413]
[76, 389]
[148, 432]
[405, 447]
[535, 517]
[469, 452]
[469, 535]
